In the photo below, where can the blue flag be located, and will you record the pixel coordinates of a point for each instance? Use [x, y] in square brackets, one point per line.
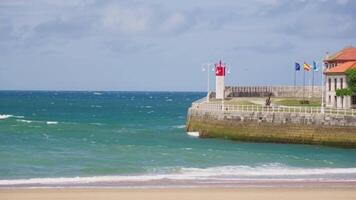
[297, 66]
[315, 67]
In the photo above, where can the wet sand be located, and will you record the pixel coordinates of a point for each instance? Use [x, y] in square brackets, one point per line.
[343, 193]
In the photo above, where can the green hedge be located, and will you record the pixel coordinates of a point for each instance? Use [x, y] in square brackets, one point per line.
[343, 92]
[351, 82]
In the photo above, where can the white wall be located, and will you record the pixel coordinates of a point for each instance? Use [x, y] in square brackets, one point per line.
[345, 103]
[220, 87]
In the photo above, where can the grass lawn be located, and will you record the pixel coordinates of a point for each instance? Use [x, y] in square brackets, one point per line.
[235, 101]
[297, 102]
[242, 102]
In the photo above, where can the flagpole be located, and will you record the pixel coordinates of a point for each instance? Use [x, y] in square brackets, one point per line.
[208, 95]
[295, 77]
[223, 99]
[303, 85]
[322, 87]
[312, 95]
[309, 84]
[206, 66]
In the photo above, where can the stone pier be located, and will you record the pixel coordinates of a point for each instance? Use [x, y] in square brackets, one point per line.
[297, 128]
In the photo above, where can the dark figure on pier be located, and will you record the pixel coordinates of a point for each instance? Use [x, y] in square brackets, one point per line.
[268, 100]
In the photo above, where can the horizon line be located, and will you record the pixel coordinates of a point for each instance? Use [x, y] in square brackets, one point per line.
[60, 90]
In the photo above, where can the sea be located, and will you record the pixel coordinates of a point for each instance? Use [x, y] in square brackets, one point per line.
[139, 139]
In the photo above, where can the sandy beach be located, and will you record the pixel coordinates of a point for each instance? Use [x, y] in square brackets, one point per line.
[186, 194]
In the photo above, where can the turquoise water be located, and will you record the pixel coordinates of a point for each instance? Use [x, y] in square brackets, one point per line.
[140, 135]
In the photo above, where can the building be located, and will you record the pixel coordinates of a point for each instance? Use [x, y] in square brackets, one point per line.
[220, 80]
[336, 65]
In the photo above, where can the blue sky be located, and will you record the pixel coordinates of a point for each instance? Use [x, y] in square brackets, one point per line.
[161, 45]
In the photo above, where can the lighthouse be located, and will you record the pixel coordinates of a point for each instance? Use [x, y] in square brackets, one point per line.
[220, 80]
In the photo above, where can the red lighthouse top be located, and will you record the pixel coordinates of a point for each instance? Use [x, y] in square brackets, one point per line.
[220, 69]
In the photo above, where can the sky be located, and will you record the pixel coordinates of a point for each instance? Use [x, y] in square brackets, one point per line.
[161, 45]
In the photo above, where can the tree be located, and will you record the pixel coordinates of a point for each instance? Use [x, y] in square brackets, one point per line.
[351, 79]
[343, 92]
[351, 82]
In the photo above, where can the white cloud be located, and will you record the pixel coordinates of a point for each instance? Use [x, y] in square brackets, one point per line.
[268, 2]
[117, 18]
[144, 19]
[174, 22]
[342, 2]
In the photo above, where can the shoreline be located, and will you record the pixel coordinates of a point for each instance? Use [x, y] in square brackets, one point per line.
[187, 194]
[188, 184]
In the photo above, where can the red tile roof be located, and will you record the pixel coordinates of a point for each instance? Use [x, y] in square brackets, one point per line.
[341, 68]
[347, 54]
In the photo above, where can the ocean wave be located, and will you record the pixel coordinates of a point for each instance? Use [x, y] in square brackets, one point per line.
[8, 116]
[96, 106]
[51, 122]
[97, 124]
[38, 122]
[5, 116]
[218, 174]
[179, 126]
[266, 170]
[24, 120]
[19, 116]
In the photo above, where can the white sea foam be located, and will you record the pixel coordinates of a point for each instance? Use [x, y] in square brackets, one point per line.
[5, 116]
[97, 124]
[179, 126]
[266, 170]
[51, 122]
[24, 120]
[218, 174]
[19, 117]
[96, 106]
[193, 134]
[97, 93]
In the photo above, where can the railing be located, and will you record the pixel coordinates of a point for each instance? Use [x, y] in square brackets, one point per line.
[272, 109]
[280, 91]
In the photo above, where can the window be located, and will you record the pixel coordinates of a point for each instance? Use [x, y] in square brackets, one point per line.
[342, 102]
[335, 84]
[353, 100]
[335, 101]
[329, 99]
[329, 84]
[341, 83]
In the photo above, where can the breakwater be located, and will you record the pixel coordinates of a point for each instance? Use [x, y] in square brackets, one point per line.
[268, 124]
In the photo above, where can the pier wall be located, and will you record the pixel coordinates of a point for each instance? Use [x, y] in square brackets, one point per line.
[298, 128]
[277, 91]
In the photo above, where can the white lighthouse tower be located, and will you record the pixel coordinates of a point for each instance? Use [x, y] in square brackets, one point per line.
[220, 80]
